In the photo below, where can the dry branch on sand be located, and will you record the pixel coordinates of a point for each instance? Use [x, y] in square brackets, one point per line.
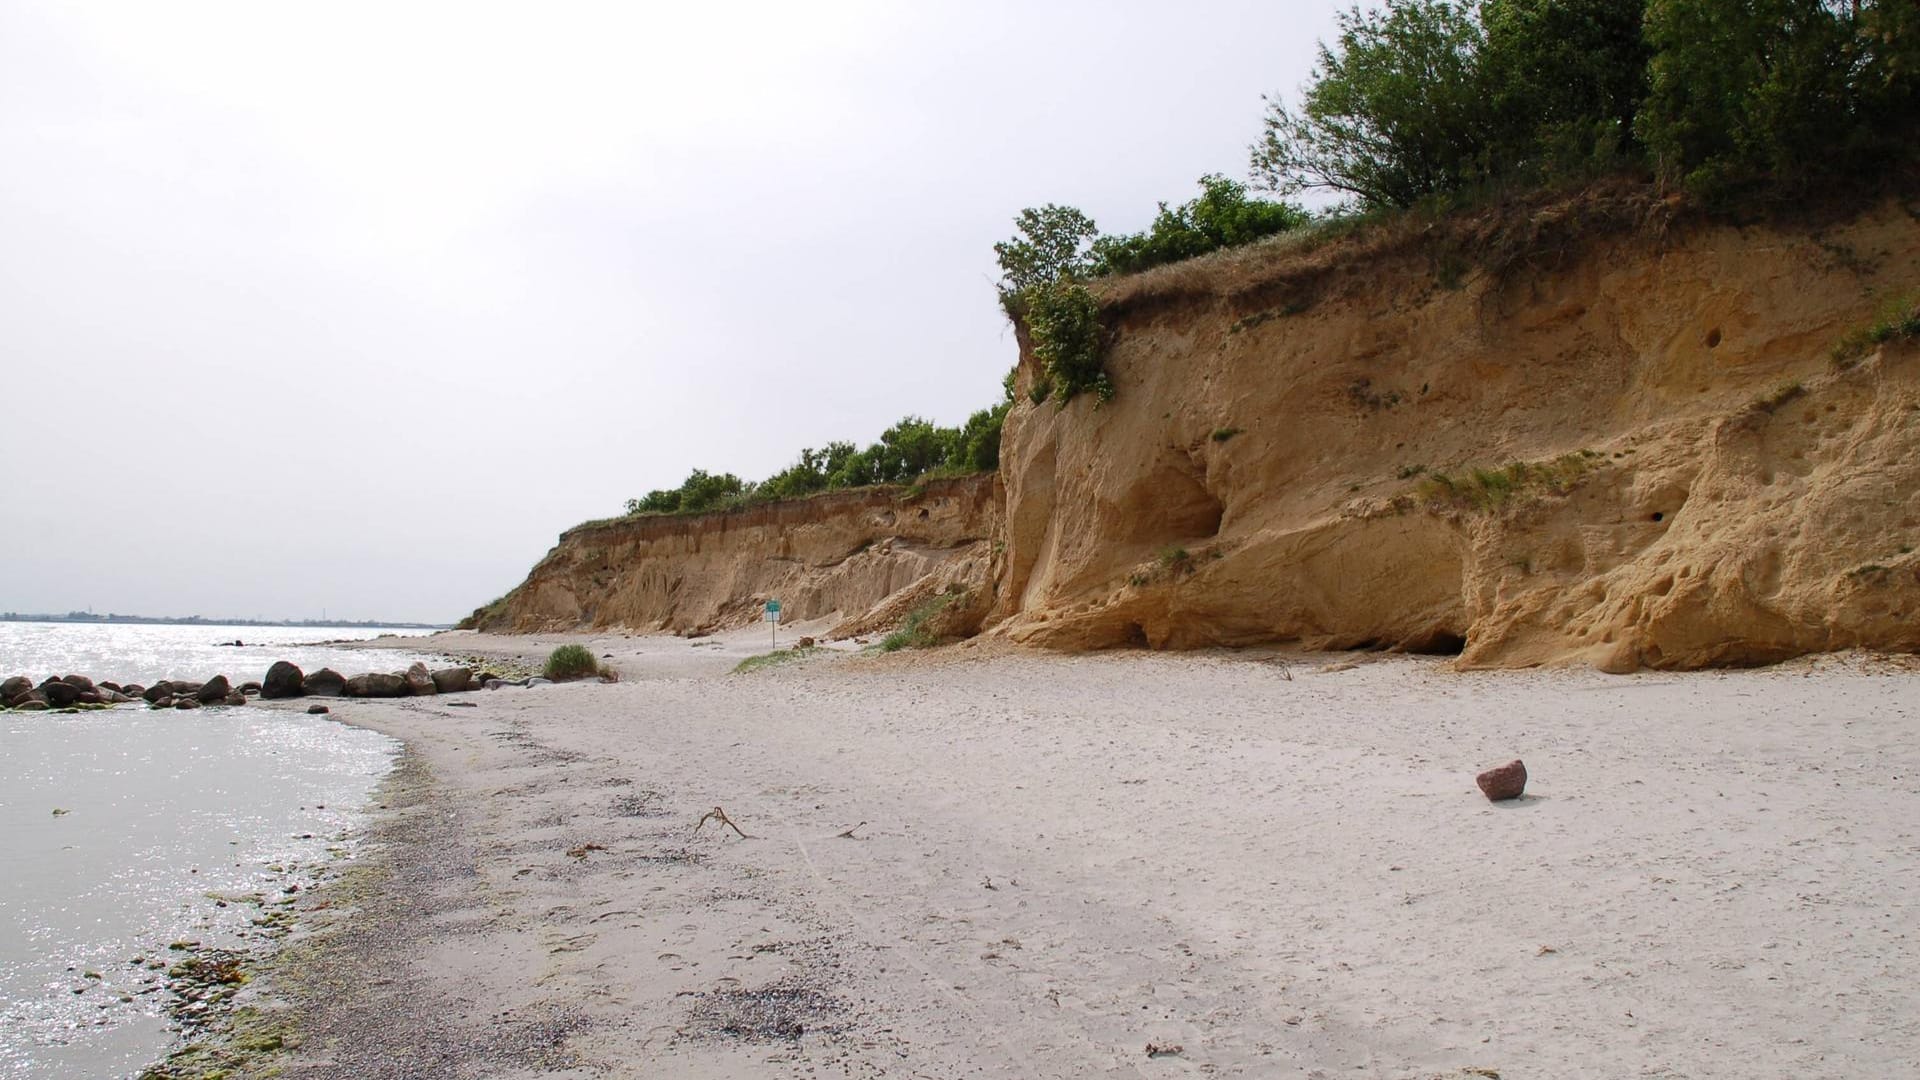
[719, 815]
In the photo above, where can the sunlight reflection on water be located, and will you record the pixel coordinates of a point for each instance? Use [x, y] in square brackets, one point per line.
[162, 809]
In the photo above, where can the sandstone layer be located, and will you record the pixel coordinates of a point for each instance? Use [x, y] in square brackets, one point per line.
[1598, 431]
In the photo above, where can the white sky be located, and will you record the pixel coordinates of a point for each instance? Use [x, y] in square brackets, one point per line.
[356, 306]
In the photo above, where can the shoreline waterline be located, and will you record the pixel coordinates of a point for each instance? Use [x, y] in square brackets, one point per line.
[142, 839]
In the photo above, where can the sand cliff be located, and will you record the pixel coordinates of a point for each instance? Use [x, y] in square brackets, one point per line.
[1589, 432]
[842, 553]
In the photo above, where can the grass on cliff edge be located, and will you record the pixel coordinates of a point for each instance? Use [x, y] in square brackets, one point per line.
[570, 662]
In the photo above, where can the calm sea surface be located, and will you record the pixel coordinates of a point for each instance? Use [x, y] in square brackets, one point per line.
[146, 654]
[163, 815]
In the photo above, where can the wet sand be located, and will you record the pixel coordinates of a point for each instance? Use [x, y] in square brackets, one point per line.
[979, 863]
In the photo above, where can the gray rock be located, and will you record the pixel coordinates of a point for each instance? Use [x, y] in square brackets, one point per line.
[453, 680]
[164, 701]
[31, 695]
[377, 684]
[113, 686]
[163, 688]
[325, 683]
[317, 710]
[186, 703]
[248, 688]
[78, 682]
[134, 690]
[283, 680]
[113, 697]
[492, 684]
[14, 687]
[214, 689]
[537, 681]
[418, 680]
[236, 698]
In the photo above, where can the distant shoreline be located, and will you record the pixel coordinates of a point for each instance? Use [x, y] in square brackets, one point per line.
[197, 620]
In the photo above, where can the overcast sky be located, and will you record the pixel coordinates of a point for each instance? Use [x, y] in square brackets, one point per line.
[357, 306]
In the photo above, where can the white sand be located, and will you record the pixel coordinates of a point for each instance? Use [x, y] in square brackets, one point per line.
[1066, 858]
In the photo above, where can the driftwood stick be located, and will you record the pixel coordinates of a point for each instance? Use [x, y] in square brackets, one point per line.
[848, 835]
[719, 815]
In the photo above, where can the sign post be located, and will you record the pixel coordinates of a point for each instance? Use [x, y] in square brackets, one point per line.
[773, 621]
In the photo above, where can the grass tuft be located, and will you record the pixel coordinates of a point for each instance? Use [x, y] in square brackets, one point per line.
[1224, 433]
[1487, 490]
[915, 633]
[570, 662]
[772, 659]
[1898, 319]
[1779, 395]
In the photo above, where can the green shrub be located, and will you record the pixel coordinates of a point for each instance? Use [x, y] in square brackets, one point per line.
[1423, 99]
[1780, 90]
[1068, 340]
[1222, 434]
[570, 662]
[1222, 217]
[908, 451]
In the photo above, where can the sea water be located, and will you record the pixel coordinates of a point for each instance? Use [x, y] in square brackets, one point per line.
[146, 653]
[123, 831]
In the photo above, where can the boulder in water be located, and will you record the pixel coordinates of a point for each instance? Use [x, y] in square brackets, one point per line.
[60, 693]
[324, 683]
[213, 690]
[376, 684]
[14, 687]
[418, 680]
[283, 680]
[186, 703]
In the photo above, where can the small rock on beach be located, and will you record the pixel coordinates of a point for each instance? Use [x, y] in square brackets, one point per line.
[1506, 782]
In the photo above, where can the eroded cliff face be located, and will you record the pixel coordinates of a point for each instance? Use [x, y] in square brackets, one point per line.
[840, 554]
[1291, 454]
[1628, 444]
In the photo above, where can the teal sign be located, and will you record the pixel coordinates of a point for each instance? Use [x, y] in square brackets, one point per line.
[773, 611]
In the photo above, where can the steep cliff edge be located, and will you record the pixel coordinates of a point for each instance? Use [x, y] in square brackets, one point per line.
[1585, 432]
[1322, 447]
[844, 552]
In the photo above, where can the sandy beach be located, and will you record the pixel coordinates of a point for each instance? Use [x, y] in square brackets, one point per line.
[987, 863]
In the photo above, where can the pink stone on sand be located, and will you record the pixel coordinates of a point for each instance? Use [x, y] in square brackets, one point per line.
[1505, 782]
